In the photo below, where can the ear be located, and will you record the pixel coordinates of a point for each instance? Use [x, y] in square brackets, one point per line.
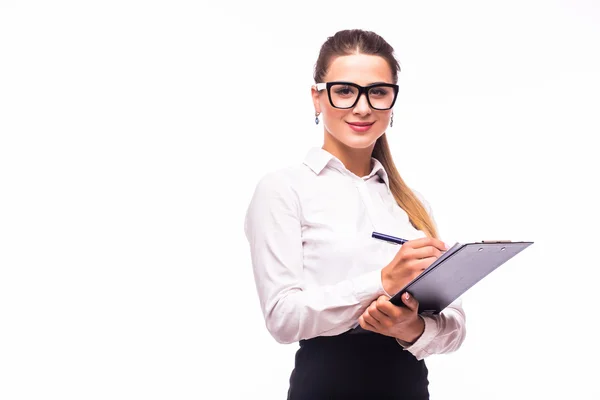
[316, 98]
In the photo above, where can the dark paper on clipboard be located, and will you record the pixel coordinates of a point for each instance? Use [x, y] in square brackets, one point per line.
[456, 271]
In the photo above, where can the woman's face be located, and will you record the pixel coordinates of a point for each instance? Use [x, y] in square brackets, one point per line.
[358, 127]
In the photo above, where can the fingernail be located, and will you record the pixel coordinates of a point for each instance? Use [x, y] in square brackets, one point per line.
[406, 296]
[447, 246]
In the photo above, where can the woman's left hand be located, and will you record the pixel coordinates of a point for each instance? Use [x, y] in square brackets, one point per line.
[385, 318]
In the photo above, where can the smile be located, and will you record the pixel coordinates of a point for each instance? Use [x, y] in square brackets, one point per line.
[360, 126]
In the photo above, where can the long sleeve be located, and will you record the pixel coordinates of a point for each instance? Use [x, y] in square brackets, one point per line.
[444, 332]
[292, 309]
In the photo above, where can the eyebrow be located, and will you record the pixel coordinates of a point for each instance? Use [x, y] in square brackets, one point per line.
[368, 84]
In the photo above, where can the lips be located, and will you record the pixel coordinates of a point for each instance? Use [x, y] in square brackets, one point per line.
[360, 126]
[361, 123]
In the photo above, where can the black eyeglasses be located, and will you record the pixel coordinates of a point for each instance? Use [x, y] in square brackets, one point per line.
[380, 96]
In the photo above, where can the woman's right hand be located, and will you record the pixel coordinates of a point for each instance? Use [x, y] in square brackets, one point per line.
[413, 258]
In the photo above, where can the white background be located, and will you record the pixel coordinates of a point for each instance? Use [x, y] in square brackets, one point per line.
[132, 134]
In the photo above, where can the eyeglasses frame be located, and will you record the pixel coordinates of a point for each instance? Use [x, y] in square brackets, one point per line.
[361, 89]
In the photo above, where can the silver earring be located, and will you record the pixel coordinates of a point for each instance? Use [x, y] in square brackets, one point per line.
[392, 120]
[316, 118]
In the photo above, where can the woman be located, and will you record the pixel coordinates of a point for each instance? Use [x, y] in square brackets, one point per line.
[322, 280]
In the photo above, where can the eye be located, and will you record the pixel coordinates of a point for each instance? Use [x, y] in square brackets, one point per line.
[379, 91]
[344, 90]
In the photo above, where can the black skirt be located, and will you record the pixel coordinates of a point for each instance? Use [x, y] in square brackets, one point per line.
[357, 366]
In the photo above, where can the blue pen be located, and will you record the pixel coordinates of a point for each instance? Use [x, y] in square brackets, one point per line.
[388, 238]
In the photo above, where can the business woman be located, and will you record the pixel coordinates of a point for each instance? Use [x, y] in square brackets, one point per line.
[322, 280]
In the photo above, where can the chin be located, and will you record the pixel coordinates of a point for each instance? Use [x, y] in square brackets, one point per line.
[359, 141]
[352, 139]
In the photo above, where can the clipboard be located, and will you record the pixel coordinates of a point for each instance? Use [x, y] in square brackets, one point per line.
[456, 271]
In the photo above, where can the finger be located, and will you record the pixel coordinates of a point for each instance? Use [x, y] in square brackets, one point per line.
[387, 308]
[424, 263]
[416, 267]
[410, 302]
[368, 317]
[424, 242]
[377, 315]
[369, 310]
[365, 325]
[425, 252]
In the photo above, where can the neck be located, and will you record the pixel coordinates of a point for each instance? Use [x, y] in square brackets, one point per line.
[357, 161]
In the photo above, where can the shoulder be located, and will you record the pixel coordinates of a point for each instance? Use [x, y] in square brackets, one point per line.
[274, 197]
[280, 185]
[280, 180]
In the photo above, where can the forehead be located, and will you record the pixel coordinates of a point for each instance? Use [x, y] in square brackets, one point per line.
[359, 68]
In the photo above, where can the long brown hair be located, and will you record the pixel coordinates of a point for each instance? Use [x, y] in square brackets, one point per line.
[354, 41]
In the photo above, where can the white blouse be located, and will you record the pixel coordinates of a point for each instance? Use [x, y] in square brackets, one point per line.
[315, 264]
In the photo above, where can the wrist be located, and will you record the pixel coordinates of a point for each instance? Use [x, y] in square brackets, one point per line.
[413, 330]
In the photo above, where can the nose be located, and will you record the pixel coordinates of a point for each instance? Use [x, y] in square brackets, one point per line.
[362, 106]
